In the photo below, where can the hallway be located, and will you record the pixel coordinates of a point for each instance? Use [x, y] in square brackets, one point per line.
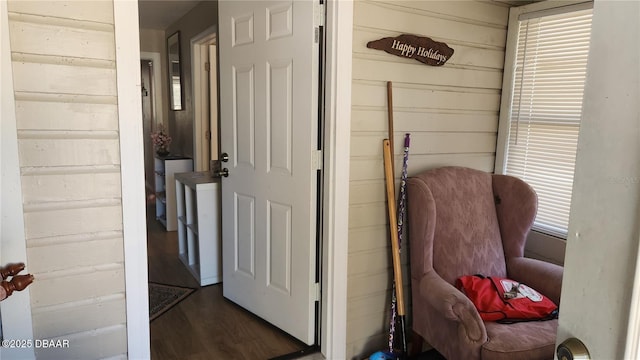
[204, 325]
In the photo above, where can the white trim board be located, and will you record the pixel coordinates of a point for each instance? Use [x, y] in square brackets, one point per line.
[339, 32]
[16, 312]
[545, 247]
[134, 225]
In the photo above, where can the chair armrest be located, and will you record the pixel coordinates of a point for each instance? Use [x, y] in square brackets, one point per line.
[453, 305]
[539, 275]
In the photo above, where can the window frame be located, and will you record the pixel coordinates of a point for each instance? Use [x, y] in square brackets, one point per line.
[540, 245]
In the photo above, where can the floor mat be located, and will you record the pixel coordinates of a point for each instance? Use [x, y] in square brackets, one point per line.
[163, 297]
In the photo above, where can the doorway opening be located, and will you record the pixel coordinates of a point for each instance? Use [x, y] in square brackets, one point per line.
[205, 97]
[152, 115]
[201, 322]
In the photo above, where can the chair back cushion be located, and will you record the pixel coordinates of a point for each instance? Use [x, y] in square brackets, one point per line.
[453, 224]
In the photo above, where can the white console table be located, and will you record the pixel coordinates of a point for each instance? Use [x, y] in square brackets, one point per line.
[199, 217]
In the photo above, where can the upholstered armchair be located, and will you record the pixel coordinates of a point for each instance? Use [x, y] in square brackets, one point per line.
[464, 222]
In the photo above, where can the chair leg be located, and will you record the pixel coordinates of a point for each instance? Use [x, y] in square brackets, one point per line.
[416, 344]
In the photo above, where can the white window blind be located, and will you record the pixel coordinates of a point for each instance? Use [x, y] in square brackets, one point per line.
[546, 108]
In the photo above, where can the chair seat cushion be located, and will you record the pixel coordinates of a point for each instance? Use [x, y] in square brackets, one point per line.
[532, 340]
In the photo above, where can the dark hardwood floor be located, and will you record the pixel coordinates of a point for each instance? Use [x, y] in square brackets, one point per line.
[204, 325]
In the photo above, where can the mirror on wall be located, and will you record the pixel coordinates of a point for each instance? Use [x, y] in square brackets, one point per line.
[175, 78]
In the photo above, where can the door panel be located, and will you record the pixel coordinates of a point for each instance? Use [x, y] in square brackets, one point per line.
[268, 81]
[279, 117]
[279, 247]
[244, 238]
[244, 117]
[213, 103]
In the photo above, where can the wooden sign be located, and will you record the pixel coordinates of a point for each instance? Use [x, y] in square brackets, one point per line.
[421, 48]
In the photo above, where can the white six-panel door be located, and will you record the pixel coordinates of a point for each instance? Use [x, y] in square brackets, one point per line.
[268, 104]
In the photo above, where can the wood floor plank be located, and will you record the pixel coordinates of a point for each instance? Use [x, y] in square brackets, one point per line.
[205, 325]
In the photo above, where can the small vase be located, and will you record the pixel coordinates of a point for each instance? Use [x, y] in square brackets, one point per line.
[162, 151]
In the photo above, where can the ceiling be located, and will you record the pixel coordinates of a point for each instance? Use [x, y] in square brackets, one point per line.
[159, 14]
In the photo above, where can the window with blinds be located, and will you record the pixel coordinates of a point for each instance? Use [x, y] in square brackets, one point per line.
[546, 108]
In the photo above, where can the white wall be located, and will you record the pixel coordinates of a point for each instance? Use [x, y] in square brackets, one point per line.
[201, 17]
[450, 111]
[66, 110]
[152, 40]
[603, 227]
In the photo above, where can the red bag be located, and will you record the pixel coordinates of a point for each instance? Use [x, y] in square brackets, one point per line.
[505, 300]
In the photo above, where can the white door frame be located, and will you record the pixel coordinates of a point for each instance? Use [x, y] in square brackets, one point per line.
[134, 222]
[339, 27]
[16, 319]
[200, 111]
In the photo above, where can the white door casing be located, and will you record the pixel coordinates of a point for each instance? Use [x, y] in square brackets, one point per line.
[16, 311]
[134, 225]
[268, 76]
[335, 212]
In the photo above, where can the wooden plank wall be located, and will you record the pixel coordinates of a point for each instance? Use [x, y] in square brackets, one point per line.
[450, 111]
[63, 57]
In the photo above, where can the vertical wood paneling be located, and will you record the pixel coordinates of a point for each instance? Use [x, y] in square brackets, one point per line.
[63, 56]
[84, 252]
[87, 284]
[83, 40]
[98, 11]
[42, 77]
[65, 115]
[94, 314]
[450, 111]
[390, 17]
[102, 343]
[68, 187]
[75, 219]
[68, 152]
